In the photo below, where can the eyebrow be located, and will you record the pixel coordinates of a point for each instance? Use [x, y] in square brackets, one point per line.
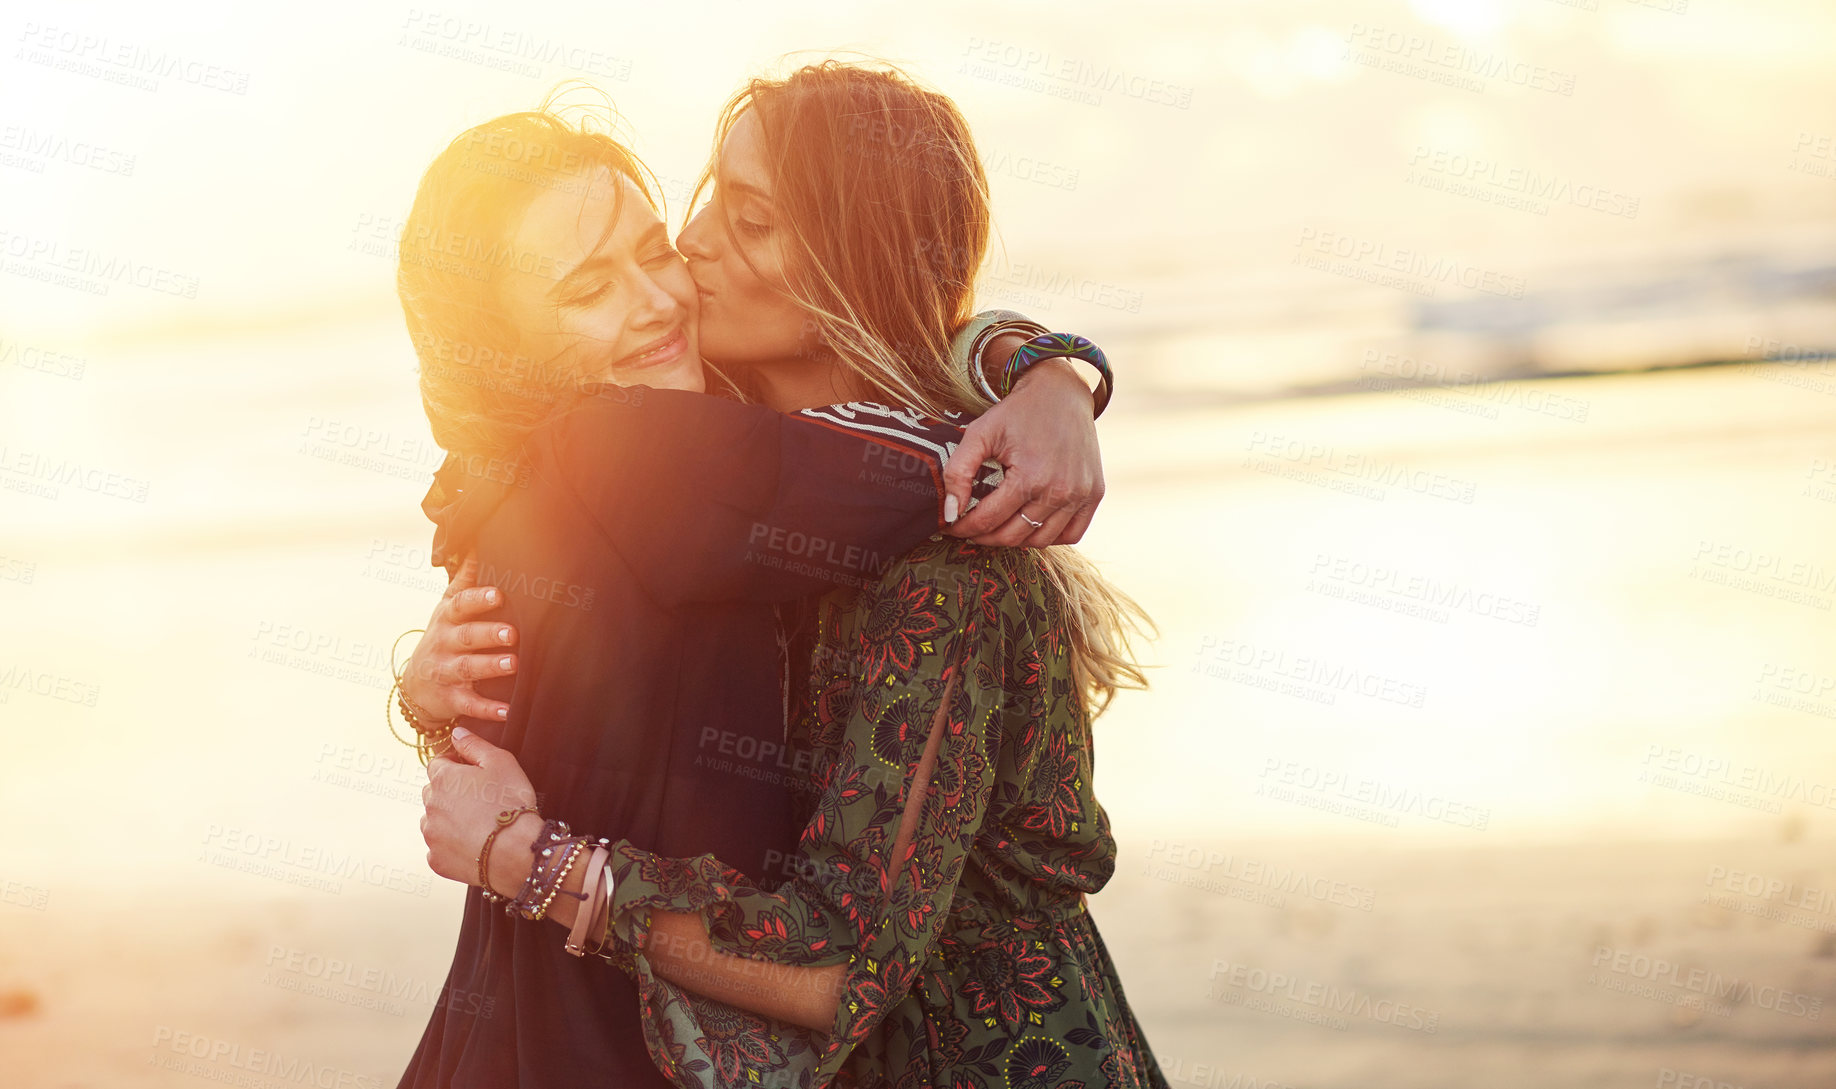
[746, 188]
[596, 261]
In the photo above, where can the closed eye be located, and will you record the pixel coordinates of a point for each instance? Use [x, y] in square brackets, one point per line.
[593, 296]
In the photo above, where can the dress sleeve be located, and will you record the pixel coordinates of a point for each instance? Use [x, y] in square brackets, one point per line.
[874, 885]
[711, 500]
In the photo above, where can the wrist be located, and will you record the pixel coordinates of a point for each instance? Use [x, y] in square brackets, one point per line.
[999, 350]
[1065, 373]
[513, 854]
[1073, 358]
[421, 694]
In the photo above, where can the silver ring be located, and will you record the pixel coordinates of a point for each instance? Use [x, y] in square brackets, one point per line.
[1027, 520]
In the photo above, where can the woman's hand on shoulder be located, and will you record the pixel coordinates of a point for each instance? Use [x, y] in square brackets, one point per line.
[460, 649]
[1044, 436]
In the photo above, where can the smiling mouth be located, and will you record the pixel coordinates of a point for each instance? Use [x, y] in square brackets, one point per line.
[664, 350]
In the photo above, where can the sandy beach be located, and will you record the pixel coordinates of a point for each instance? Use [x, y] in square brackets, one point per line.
[1319, 886]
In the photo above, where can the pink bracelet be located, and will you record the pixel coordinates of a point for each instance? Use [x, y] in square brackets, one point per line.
[596, 876]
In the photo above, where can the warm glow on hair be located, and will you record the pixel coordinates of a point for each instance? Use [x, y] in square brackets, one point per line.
[878, 185]
[480, 395]
[879, 189]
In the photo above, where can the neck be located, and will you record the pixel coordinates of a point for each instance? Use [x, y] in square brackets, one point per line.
[796, 384]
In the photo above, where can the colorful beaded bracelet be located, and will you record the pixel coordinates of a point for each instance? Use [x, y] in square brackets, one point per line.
[1059, 346]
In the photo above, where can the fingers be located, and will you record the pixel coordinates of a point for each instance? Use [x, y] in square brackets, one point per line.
[468, 604]
[1056, 509]
[481, 635]
[959, 473]
[1010, 534]
[1026, 518]
[1079, 522]
[996, 509]
[443, 682]
[1039, 522]
[1086, 510]
[452, 678]
[458, 670]
[472, 749]
[1048, 533]
[469, 704]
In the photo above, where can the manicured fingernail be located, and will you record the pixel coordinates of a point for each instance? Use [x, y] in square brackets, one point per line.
[503, 712]
[949, 508]
[490, 597]
[503, 635]
[504, 662]
[461, 732]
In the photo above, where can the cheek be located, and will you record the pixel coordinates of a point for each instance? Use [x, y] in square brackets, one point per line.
[681, 287]
[760, 291]
[770, 263]
[748, 270]
[601, 324]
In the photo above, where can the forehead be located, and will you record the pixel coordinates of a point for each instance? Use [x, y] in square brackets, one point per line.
[742, 153]
[566, 224]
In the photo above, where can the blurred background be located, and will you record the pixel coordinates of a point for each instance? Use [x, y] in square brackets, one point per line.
[1475, 449]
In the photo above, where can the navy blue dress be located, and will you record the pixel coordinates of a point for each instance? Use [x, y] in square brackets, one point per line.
[644, 542]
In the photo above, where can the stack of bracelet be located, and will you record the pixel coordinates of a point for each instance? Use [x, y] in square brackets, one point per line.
[971, 342]
[589, 932]
[555, 850]
[429, 732]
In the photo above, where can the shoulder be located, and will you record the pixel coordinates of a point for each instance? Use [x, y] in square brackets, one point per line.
[930, 437]
[906, 433]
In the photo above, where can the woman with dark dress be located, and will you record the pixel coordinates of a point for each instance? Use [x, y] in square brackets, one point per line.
[637, 537]
[933, 930]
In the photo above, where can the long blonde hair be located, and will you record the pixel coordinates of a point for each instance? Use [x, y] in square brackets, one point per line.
[480, 395]
[866, 147]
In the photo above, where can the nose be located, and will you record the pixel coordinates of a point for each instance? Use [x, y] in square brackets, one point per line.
[696, 242]
[655, 304]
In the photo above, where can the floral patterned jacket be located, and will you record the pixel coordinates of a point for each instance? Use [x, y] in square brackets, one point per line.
[959, 908]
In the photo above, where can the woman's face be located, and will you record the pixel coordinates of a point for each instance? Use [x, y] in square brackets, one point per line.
[738, 253]
[596, 290]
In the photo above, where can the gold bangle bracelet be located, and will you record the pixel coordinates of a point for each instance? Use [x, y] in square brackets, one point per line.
[504, 820]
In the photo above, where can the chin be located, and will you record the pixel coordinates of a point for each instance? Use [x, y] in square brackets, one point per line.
[684, 375]
[694, 378]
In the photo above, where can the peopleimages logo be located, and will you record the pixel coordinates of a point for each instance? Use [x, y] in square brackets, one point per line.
[1701, 981]
[1326, 998]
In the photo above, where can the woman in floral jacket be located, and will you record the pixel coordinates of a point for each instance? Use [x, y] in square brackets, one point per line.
[952, 836]
[971, 958]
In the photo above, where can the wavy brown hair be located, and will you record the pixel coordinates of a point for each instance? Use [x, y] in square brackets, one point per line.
[878, 184]
[894, 166]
